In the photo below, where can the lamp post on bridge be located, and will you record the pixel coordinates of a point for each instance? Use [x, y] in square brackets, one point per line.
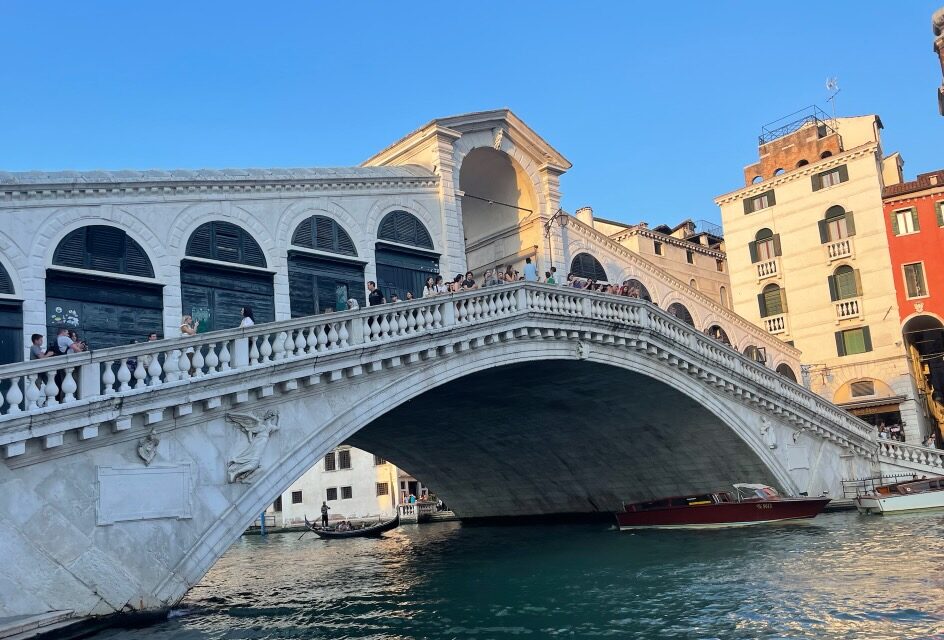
[561, 217]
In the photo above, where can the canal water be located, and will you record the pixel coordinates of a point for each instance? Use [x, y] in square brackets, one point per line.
[839, 576]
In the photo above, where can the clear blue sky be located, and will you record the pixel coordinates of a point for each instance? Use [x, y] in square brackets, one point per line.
[657, 106]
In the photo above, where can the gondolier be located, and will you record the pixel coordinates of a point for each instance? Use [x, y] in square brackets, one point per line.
[324, 514]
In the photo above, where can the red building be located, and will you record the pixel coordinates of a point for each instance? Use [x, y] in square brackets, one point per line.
[914, 223]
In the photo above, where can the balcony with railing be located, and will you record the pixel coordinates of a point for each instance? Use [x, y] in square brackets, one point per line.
[776, 324]
[848, 309]
[767, 269]
[840, 249]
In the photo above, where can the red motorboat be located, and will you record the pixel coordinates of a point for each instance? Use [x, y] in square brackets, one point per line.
[749, 504]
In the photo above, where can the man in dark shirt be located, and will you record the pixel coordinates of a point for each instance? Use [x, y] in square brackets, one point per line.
[375, 296]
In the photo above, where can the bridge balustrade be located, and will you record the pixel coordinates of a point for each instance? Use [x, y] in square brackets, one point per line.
[63, 382]
[910, 453]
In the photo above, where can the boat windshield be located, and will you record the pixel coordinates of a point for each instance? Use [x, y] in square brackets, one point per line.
[756, 492]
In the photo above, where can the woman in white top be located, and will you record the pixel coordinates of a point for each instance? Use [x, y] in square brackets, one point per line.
[430, 288]
[247, 320]
[441, 286]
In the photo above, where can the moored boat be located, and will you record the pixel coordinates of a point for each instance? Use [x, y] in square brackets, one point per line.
[372, 531]
[911, 495]
[749, 504]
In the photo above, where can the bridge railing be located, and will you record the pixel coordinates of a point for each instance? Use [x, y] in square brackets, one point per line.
[61, 382]
[910, 453]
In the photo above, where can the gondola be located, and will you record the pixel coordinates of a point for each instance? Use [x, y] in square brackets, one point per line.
[373, 531]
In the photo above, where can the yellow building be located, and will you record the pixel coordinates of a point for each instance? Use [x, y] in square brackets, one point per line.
[809, 262]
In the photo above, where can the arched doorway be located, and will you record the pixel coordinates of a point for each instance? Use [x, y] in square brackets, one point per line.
[637, 289]
[85, 289]
[327, 279]
[230, 274]
[586, 266]
[679, 310]
[404, 255]
[719, 334]
[785, 370]
[498, 197]
[755, 353]
[11, 322]
[924, 337]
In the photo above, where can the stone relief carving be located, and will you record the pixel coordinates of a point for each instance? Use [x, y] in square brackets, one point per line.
[767, 432]
[147, 447]
[583, 350]
[242, 466]
[499, 135]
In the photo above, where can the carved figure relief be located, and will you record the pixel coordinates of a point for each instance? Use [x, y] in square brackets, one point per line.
[499, 134]
[243, 465]
[767, 432]
[147, 448]
[583, 350]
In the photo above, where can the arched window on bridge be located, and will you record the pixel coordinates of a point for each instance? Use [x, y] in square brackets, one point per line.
[765, 247]
[723, 296]
[404, 255]
[83, 292]
[318, 281]
[836, 225]
[11, 323]
[678, 310]
[719, 334]
[229, 275]
[772, 301]
[637, 289]
[844, 283]
[586, 266]
[755, 353]
[785, 370]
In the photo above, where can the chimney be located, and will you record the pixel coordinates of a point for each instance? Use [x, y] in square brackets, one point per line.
[585, 215]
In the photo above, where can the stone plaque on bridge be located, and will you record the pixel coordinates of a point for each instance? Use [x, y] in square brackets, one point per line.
[144, 493]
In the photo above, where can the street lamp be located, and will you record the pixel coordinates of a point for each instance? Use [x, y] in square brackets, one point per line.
[562, 219]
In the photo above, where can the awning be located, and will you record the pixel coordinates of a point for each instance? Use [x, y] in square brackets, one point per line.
[873, 406]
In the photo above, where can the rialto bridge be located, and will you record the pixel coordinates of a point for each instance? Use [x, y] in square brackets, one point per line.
[128, 469]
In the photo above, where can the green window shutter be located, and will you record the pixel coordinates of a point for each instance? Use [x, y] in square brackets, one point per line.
[777, 251]
[850, 224]
[748, 205]
[840, 345]
[858, 282]
[833, 288]
[894, 219]
[843, 173]
[867, 336]
[914, 219]
[817, 181]
[752, 247]
[762, 305]
[823, 232]
[939, 209]
[771, 198]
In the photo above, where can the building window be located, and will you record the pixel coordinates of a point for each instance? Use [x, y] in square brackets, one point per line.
[764, 200]
[836, 225]
[862, 388]
[693, 284]
[296, 497]
[830, 178]
[853, 341]
[690, 256]
[383, 489]
[719, 264]
[939, 210]
[766, 246]
[379, 461]
[724, 297]
[332, 493]
[277, 505]
[657, 247]
[344, 459]
[772, 301]
[905, 221]
[844, 283]
[329, 461]
[914, 280]
[346, 493]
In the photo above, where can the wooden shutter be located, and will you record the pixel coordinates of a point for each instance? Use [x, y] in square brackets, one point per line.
[324, 234]
[939, 210]
[71, 251]
[914, 219]
[850, 224]
[752, 248]
[303, 236]
[840, 345]
[136, 261]
[762, 305]
[823, 232]
[867, 336]
[771, 198]
[748, 205]
[843, 174]
[777, 248]
[345, 244]
[833, 288]
[817, 179]
[199, 244]
[894, 219]
[783, 301]
[6, 284]
[858, 282]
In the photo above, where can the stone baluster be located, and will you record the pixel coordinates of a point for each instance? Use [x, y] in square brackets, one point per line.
[108, 378]
[154, 370]
[225, 356]
[384, 327]
[332, 336]
[140, 373]
[69, 385]
[32, 392]
[198, 361]
[171, 370]
[52, 389]
[278, 347]
[265, 349]
[462, 311]
[401, 323]
[124, 376]
[437, 316]
[289, 345]
[322, 338]
[411, 321]
[311, 341]
[253, 351]
[212, 360]
[343, 334]
[300, 342]
[374, 328]
[184, 364]
[14, 396]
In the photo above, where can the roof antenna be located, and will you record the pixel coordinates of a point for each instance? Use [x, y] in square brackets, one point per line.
[832, 85]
